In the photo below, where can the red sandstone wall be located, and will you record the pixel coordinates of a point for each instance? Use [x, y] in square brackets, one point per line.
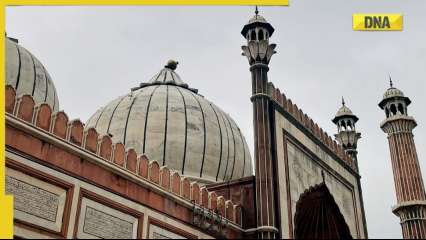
[241, 192]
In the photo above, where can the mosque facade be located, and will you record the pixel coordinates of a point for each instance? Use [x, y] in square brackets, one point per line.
[162, 161]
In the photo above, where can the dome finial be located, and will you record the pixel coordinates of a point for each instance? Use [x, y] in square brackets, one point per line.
[390, 81]
[343, 101]
[256, 11]
[172, 64]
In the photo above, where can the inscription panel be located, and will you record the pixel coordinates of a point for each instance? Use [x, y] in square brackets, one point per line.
[33, 200]
[102, 222]
[105, 225]
[36, 202]
[157, 232]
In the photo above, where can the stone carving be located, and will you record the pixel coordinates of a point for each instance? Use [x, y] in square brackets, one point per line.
[103, 225]
[33, 200]
[210, 221]
[259, 51]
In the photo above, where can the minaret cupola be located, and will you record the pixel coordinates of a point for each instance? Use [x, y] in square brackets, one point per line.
[394, 102]
[347, 135]
[257, 29]
[257, 33]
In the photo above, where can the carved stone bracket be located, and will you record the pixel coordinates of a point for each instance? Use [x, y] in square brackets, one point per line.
[259, 51]
[210, 221]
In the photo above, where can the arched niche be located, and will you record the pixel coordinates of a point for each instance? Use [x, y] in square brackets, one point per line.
[318, 216]
[253, 36]
[260, 35]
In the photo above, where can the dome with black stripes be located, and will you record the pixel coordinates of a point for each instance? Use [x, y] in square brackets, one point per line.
[174, 125]
[27, 75]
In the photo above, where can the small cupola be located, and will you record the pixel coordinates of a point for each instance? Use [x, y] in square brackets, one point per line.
[257, 29]
[394, 102]
[345, 119]
[167, 76]
[347, 136]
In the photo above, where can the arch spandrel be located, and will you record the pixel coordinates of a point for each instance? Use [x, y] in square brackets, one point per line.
[318, 216]
[305, 172]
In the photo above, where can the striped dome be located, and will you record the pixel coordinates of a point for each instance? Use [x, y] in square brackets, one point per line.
[28, 76]
[173, 124]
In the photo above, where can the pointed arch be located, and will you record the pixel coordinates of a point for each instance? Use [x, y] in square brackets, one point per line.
[401, 108]
[344, 125]
[393, 109]
[349, 125]
[318, 216]
[253, 35]
[260, 35]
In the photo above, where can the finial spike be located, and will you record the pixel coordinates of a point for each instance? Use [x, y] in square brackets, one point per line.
[390, 81]
[256, 11]
[343, 101]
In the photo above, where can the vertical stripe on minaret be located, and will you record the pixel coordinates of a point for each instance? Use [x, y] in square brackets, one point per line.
[409, 186]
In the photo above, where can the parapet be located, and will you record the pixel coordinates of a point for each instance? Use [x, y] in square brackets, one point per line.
[57, 124]
[307, 123]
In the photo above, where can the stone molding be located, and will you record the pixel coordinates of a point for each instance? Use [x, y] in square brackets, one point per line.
[398, 124]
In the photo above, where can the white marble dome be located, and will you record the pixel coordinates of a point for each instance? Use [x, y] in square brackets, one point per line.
[174, 125]
[27, 75]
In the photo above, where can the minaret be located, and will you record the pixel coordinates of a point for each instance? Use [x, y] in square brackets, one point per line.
[410, 191]
[259, 52]
[347, 135]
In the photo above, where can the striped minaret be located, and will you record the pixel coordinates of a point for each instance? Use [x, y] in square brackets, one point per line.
[410, 191]
[259, 52]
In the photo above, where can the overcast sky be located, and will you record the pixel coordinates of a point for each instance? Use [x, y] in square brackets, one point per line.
[95, 54]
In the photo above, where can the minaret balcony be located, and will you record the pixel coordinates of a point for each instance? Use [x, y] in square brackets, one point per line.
[398, 124]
